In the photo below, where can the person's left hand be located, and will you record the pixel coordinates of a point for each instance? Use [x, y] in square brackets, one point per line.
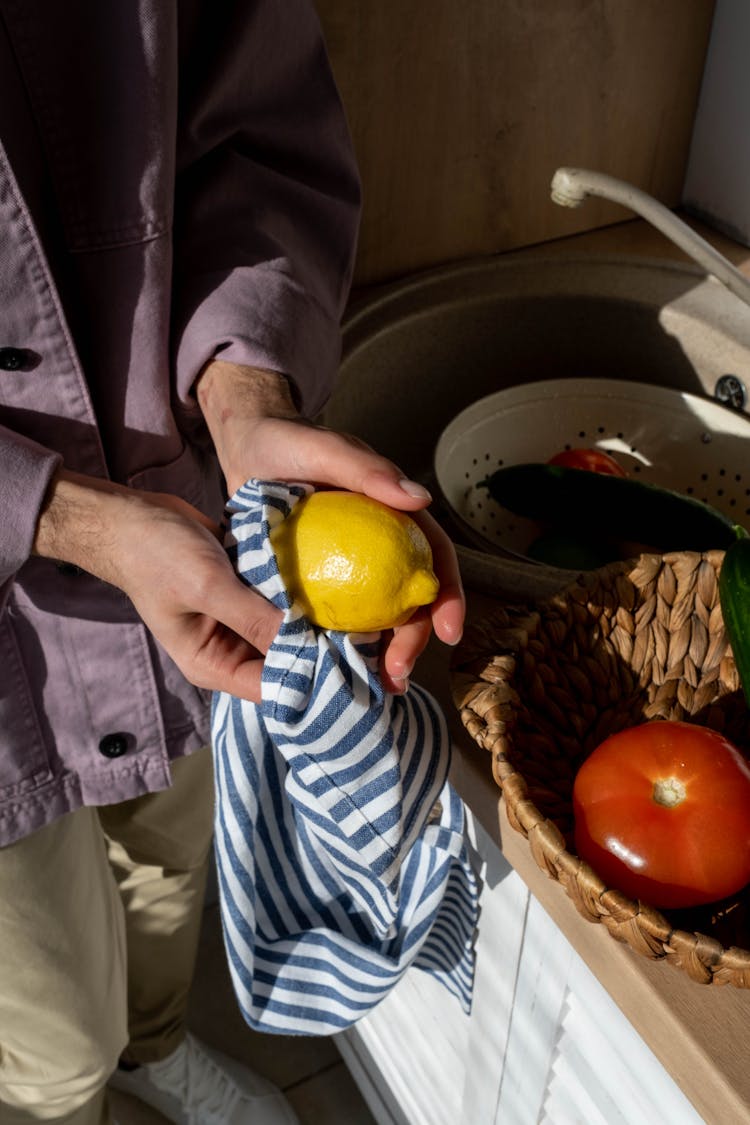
[257, 432]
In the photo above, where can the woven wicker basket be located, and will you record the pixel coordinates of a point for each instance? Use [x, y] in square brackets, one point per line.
[541, 686]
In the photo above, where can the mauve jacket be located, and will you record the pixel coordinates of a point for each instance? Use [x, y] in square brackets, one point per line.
[176, 182]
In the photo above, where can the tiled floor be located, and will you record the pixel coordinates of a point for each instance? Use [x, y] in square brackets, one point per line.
[310, 1070]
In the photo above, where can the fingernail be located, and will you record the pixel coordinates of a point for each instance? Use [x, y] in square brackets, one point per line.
[401, 686]
[412, 488]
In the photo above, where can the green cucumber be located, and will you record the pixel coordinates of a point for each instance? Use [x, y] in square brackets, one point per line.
[620, 507]
[734, 595]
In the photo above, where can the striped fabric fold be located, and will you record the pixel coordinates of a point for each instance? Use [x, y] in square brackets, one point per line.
[340, 845]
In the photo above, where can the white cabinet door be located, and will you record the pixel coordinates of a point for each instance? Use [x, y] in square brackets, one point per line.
[544, 1045]
[597, 1069]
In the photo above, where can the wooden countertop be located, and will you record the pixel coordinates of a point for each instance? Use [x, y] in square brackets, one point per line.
[699, 1033]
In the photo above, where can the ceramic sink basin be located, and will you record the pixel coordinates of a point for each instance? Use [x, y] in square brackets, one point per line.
[418, 352]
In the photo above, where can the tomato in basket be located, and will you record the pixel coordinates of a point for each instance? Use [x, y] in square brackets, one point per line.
[593, 460]
[662, 813]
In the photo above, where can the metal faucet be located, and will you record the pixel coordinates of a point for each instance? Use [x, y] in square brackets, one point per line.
[570, 186]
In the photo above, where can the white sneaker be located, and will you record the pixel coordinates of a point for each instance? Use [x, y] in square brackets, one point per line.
[197, 1085]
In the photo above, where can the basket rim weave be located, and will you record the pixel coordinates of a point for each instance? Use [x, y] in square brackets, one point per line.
[486, 682]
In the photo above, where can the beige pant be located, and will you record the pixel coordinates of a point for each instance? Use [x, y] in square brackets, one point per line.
[99, 921]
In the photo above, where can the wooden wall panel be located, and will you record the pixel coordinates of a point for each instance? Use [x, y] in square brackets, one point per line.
[461, 110]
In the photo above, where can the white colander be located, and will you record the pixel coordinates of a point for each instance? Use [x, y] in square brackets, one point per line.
[671, 438]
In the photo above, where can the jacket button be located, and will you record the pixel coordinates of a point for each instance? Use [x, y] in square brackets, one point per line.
[12, 359]
[114, 745]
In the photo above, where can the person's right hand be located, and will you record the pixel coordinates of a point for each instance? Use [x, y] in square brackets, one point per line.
[257, 432]
[167, 558]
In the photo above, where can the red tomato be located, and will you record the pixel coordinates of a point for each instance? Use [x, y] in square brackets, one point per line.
[594, 460]
[662, 813]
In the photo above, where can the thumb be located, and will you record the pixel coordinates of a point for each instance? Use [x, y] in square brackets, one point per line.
[246, 613]
[229, 648]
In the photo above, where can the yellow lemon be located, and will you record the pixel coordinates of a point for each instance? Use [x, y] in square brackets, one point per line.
[352, 563]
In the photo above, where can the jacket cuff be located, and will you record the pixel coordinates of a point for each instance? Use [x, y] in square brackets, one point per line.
[26, 469]
[279, 329]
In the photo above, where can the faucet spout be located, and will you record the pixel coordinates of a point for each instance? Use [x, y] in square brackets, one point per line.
[571, 186]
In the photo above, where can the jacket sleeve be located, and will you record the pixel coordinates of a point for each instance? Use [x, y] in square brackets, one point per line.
[25, 470]
[267, 197]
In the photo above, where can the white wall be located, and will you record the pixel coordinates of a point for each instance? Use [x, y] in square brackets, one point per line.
[717, 183]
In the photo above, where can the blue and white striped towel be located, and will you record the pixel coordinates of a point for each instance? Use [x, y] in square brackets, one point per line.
[340, 848]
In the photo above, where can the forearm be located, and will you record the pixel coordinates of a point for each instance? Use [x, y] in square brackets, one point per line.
[77, 522]
[233, 399]
[228, 391]
[95, 524]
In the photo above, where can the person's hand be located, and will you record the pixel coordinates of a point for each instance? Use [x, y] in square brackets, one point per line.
[257, 432]
[167, 558]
